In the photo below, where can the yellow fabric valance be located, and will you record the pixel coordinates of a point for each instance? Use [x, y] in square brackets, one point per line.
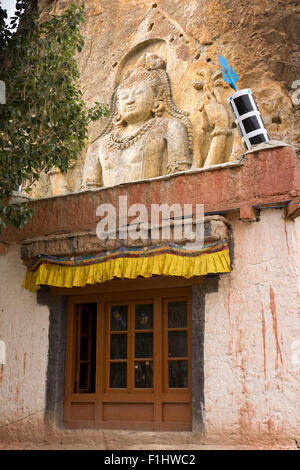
[129, 264]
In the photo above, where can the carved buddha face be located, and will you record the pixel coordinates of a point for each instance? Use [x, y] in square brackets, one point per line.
[135, 102]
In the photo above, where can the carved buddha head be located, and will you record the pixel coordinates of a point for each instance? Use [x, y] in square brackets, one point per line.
[135, 102]
[144, 93]
[140, 95]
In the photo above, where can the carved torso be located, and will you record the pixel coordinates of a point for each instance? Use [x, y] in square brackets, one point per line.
[162, 149]
[117, 164]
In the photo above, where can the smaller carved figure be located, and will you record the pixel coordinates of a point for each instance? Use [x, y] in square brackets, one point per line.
[215, 121]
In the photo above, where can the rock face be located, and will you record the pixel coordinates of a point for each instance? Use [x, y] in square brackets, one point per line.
[258, 38]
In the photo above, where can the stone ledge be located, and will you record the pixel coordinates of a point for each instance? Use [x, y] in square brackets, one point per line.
[271, 145]
[267, 177]
[193, 171]
[73, 244]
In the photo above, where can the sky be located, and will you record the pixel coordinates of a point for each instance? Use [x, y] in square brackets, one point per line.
[8, 5]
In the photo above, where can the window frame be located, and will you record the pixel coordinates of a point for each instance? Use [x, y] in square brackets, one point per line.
[160, 394]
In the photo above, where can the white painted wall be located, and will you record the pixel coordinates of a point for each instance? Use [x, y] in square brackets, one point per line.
[24, 329]
[252, 335]
[252, 339]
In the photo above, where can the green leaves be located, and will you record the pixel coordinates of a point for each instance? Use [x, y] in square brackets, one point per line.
[97, 111]
[14, 214]
[44, 123]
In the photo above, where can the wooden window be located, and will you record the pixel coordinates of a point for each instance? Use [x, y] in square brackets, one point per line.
[176, 344]
[129, 360]
[85, 344]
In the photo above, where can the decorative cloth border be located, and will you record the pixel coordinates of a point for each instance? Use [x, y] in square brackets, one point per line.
[169, 259]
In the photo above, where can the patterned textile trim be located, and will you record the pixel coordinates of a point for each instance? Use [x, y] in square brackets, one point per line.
[129, 263]
[87, 260]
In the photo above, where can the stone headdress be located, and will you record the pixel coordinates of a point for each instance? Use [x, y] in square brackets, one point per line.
[150, 67]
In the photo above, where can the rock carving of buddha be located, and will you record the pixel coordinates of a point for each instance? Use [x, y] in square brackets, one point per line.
[146, 135]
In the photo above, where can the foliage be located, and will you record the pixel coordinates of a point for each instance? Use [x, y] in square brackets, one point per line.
[44, 123]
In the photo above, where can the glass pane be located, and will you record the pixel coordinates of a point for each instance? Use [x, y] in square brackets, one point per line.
[144, 317]
[143, 345]
[251, 124]
[178, 374]
[118, 346]
[243, 104]
[118, 319]
[118, 375]
[84, 348]
[143, 372]
[177, 344]
[257, 139]
[84, 376]
[83, 380]
[176, 314]
[85, 321]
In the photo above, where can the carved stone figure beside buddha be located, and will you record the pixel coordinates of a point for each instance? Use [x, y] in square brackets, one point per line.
[216, 127]
[146, 135]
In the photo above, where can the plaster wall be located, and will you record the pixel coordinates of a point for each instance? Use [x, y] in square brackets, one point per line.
[24, 329]
[251, 343]
[252, 334]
